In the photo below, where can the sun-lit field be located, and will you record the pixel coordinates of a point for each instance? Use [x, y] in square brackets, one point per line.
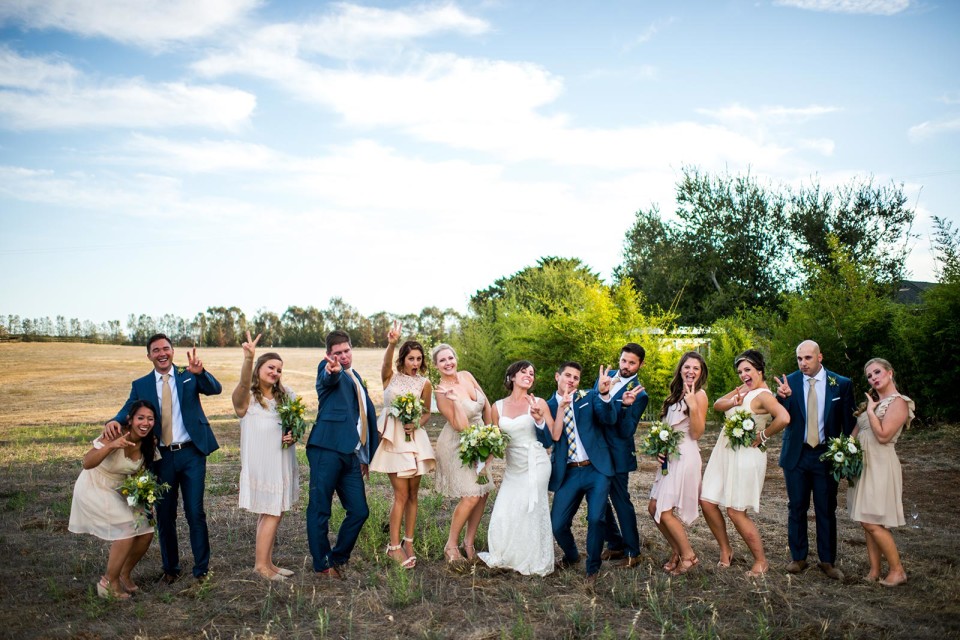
[53, 397]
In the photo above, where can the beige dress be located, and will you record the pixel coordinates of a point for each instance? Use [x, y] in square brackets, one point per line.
[394, 454]
[679, 490]
[98, 509]
[269, 473]
[877, 496]
[455, 480]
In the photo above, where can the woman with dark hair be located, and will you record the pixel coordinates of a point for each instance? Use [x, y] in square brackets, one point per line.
[405, 453]
[734, 477]
[520, 536]
[98, 509]
[674, 497]
[462, 402]
[269, 474]
[875, 500]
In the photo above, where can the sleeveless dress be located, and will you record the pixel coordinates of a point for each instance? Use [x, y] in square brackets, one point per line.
[395, 454]
[269, 474]
[734, 478]
[680, 489]
[877, 496]
[520, 536]
[98, 509]
[455, 480]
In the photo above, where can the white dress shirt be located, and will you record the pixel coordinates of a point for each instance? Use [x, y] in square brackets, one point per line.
[179, 430]
[581, 453]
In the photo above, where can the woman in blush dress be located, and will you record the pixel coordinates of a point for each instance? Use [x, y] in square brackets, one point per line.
[405, 453]
[520, 536]
[98, 509]
[876, 499]
[269, 474]
[674, 497]
[462, 402]
[734, 477]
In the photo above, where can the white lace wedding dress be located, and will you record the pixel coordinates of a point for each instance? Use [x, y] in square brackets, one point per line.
[520, 536]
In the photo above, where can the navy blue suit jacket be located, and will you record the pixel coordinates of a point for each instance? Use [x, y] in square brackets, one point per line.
[590, 411]
[338, 413]
[623, 446]
[838, 414]
[189, 388]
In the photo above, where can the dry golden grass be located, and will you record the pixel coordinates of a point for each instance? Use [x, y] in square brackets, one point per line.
[47, 577]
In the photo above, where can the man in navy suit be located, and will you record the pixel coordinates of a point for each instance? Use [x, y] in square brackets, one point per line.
[340, 447]
[186, 440]
[630, 401]
[821, 406]
[581, 461]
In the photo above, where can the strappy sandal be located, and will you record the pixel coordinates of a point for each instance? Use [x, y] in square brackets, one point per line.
[411, 560]
[105, 592]
[405, 563]
[685, 566]
[670, 565]
[469, 551]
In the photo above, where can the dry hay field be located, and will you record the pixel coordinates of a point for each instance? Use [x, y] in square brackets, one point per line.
[54, 396]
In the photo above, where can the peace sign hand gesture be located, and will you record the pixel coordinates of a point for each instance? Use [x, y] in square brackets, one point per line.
[629, 397]
[690, 395]
[536, 411]
[250, 346]
[194, 365]
[333, 365]
[447, 392]
[393, 335]
[783, 389]
[604, 381]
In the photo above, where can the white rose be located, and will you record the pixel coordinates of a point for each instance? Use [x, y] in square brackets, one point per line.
[851, 447]
[143, 478]
[132, 501]
[748, 425]
[738, 432]
[838, 456]
[664, 435]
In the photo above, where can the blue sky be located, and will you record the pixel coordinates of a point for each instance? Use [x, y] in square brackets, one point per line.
[167, 157]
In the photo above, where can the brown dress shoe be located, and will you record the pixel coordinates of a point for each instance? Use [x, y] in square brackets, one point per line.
[611, 554]
[169, 578]
[629, 562]
[796, 566]
[831, 571]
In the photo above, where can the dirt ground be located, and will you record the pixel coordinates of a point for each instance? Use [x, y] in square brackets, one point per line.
[52, 396]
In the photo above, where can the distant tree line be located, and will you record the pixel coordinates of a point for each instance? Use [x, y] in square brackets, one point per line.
[227, 326]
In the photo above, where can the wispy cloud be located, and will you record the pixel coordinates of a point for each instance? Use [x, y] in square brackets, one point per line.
[648, 34]
[950, 97]
[932, 128]
[44, 93]
[739, 113]
[874, 7]
[146, 23]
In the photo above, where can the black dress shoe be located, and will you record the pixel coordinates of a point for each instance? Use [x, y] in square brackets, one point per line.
[611, 554]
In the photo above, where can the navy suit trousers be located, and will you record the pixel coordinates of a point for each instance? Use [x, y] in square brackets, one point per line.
[334, 472]
[185, 471]
[812, 476]
[622, 534]
[581, 482]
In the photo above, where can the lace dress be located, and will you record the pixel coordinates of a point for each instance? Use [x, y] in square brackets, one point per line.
[679, 490]
[395, 454]
[269, 474]
[734, 478]
[877, 496]
[520, 536]
[98, 509]
[455, 480]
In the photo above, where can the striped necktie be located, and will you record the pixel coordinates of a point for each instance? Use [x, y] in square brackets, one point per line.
[571, 436]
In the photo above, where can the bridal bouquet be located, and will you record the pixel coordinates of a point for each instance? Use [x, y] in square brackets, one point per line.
[480, 441]
[740, 429]
[291, 412]
[662, 440]
[407, 409]
[845, 457]
[141, 491]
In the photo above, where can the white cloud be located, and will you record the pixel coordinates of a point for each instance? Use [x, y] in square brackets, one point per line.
[147, 23]
[875, 7]
[823, 146]
[41, 93]
[738, 113]
[648, 34]
[932, 128]
[950, 97]
[201, 156]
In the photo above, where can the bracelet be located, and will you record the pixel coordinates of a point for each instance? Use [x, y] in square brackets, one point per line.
[763, 436]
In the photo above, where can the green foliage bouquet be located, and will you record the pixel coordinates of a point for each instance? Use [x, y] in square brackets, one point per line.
[662, 440]
[141, 492]
[741, 430]
[480, 441]
[407, 408]
[291, 412]
[845, 457]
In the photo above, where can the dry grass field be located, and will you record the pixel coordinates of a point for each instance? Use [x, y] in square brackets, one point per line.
[53, 396]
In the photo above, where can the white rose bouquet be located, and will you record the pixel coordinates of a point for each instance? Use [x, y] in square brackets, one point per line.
[845, 457]
[141, 491]
[662, 440]
[741, 430]
[480, 441]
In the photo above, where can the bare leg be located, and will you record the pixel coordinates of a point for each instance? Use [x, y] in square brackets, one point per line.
[119, 551]
[671, 564]
[888, 548]
[266, 534]
[748, 531]
[461, 515]
[401, 493]
[410, 513]
[718, 527]
[473, 523]
[688, 559]
[137, 549]
[273, 541]
[873, 554]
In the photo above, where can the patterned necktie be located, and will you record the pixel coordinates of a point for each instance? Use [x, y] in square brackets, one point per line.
[813, 415]
[166, 411]
[363, 406]
[571, 437]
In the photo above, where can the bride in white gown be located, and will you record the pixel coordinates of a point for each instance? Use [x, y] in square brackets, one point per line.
[520, 536]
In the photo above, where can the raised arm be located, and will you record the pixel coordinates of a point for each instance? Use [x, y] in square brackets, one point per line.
[241, 395]
[781, 417]
[206, 383]
[96, 455]
[386, 369]
[887, 426]
[732, 399]
[697, 404]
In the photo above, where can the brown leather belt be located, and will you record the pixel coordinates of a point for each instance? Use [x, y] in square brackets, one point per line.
[571, 465]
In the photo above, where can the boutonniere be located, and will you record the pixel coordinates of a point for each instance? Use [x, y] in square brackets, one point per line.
[831, 381]
[181, 370]
[631, 385]
[581, 394]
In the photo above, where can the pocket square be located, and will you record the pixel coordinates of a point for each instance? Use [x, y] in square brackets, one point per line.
[585, 404]
[186, 380]
[835, 399]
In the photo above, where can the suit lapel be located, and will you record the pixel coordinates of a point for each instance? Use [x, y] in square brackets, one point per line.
[801, 383]
[827, 400]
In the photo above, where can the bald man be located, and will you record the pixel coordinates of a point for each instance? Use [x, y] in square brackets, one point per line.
[820, 403]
